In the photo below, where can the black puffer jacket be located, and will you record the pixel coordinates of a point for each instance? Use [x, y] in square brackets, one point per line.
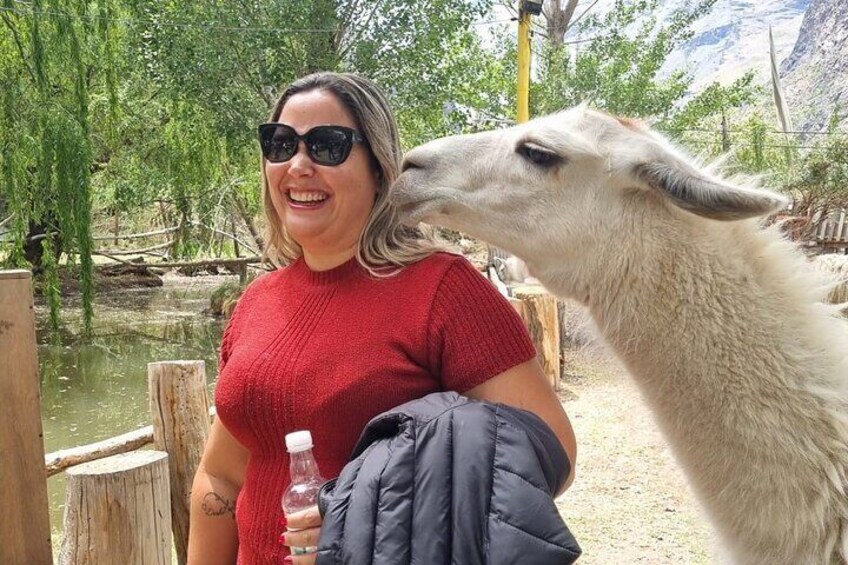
[448, 480]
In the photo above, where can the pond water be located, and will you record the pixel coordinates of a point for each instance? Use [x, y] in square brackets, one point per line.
[98, 389]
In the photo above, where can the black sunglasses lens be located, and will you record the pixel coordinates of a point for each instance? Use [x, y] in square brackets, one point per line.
[279, 143]
[328, 146]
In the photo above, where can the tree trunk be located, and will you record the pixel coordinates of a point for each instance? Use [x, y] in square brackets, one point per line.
[118, 510]
[558, 20]
[539, 311]
[33, 250]
[248, 222]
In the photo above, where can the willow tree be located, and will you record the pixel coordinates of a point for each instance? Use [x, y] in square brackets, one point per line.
[53, 54]
[110, 107]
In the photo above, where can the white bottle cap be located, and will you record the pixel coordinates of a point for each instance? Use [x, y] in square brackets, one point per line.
[298, 441]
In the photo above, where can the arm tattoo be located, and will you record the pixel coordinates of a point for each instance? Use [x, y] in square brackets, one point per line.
[214, 504]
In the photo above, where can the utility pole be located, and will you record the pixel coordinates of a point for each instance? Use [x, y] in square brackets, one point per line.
[526, 8]
[523, 113]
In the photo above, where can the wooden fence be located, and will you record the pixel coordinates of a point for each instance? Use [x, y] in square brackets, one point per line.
[826, 230]
[831, 231]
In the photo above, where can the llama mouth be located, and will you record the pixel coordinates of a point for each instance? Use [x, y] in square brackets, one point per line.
[417, 201]
[414, 213]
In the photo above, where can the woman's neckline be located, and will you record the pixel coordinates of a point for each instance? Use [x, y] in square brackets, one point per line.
[341, 272]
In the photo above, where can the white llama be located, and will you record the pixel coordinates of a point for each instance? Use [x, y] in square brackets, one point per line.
[720, 322]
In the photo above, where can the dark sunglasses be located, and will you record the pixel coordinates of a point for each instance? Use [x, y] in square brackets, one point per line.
[325, 145]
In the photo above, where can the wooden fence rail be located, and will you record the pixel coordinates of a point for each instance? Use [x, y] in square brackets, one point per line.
[57, 461]
[831, 231]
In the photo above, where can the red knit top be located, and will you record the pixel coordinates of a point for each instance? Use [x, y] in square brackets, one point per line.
[327, 351]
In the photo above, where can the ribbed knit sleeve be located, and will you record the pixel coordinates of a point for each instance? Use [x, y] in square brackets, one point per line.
[474, 332]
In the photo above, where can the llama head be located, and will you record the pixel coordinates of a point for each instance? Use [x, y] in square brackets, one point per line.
[564, 182]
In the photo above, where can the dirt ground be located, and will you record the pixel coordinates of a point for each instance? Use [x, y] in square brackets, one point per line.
[629, 502]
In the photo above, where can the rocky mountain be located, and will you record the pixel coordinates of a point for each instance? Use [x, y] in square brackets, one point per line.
[811, 38]
[731, 39]
[815, 74]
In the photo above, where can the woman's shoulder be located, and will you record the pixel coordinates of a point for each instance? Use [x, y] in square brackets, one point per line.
[260, 287]
[440, 273]
[263, 282]
[440, 262]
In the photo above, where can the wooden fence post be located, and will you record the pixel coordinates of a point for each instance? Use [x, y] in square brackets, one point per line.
[179, 409]
[540, 314]
[25, 520]
[118, 510]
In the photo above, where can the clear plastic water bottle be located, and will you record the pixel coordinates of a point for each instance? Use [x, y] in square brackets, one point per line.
[302, 492]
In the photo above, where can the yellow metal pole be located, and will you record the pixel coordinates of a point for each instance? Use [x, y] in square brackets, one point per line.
[523, 113]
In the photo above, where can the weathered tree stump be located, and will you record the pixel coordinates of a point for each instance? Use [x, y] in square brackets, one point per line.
[118, 511]
[539, 312]
[179, 409]
[24, 524]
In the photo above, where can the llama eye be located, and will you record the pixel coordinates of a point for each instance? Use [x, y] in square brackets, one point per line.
[538, 156]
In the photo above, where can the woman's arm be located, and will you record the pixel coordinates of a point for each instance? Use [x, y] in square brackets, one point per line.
[525, 386]
[212, 532]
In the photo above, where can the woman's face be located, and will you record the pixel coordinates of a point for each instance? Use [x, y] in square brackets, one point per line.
[324, 208]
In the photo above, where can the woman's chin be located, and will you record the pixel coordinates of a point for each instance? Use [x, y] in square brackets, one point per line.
[304, 236]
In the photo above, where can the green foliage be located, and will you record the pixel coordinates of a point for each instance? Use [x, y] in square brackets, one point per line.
[144, 111]
[618, 68]
[420, 52]
[50, 284]
[49, 64]
[821, 181]
[708, 105]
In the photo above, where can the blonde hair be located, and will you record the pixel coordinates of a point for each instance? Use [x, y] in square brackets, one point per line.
[384, 241]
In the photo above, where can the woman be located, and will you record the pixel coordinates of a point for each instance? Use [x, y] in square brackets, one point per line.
[368, 315]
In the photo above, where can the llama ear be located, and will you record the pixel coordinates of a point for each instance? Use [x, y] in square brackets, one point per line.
[697, 193]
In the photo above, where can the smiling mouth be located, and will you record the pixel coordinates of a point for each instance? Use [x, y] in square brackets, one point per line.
[306, 198]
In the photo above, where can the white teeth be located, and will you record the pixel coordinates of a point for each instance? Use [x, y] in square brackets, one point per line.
[307, 196]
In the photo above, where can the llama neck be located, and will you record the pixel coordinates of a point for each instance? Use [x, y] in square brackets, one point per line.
[696, 308]
[745, 372]
[696, 314]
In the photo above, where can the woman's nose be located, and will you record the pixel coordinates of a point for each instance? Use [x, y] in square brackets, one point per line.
[300, 164]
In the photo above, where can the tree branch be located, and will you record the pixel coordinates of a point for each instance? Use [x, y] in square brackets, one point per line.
[24, 57]
[583, 13]
[376, 6]
[136, 235]
[225, 234]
